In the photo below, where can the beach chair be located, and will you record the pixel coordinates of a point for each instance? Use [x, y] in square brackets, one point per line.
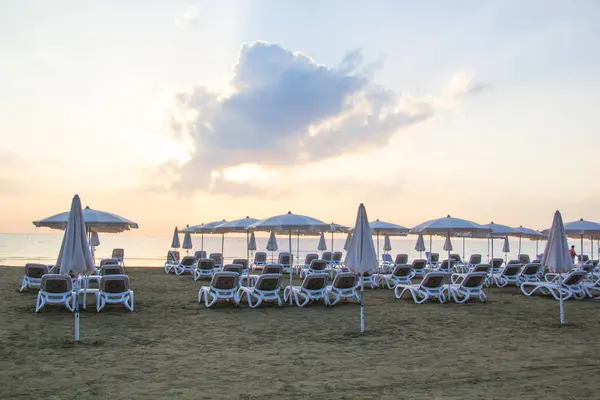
[109, 261]
[111, 269]
[401, 259]
[497, 265]
[470, 287]
[260, 259]
[446, 266]
[524, 259]
[583, 258]
[369, 280]
[591, 286]
[237, 268]
[343, 287]
[509, 274]
[315, 267]
[187, 264]
[402, 273]
[267, 269]
[200, 254]
[205, 268]
[433, 259]
[337, 259]
[287, 261]
[529, 272]
[431, 287]
[114, 289]
[386, 263]
[119, 254]
[327, 256]
[418, 266]
[314, 287]
[457, 278]
[55, 289]
[223, 286]
[266, 288]
[571, 286]
[218, 259]
[456, 258]
[307, 260]
[33, 276]
[172, 260]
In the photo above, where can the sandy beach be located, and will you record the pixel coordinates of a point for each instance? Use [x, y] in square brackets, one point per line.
[170, 347]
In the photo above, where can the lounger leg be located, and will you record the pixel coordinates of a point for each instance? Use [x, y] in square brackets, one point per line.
[40, 302]
[23, 284]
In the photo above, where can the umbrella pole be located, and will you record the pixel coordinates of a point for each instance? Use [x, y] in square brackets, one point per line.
[291, 285]
[463, 249]
[536, 247]
[298, 247]
[581, 253]
[332, 245]
[377, 249]
[247, 252]
[592, 249]
[562, 310]
[76, 307]
[223, 249]
[520, 237]
[202, 239]
[449, 269]
[362, 302]
[430, 250]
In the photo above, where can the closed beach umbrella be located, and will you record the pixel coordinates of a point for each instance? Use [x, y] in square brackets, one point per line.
[361, 257]
[420, 245]
[348, 239]
[322, 246]
[74, 255]
[187, 242]
[175, 242]
[94, 242]
[387, 244]
[252, 242]
[506, 248]
[556, 255]
[448, 244]
[272, 244]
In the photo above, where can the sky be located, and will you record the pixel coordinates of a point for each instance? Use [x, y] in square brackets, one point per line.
[185, 112]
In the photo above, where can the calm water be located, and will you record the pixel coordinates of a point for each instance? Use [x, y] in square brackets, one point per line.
[150, 251]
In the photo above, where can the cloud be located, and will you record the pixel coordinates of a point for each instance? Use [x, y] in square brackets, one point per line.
[191, 16]
[286, 109]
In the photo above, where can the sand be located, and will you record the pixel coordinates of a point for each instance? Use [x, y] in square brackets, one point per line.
[171, 347]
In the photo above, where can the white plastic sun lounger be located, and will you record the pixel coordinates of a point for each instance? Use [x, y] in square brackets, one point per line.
[402, 273]
[114, 289]
[267, 288]
[470, 287]
[344, 286]
[223, 286]
[313, 288]
[571, 286]
[55, 289]
[431, 287]
[33, 276]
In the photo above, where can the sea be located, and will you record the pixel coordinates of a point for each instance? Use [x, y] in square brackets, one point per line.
[150, 251]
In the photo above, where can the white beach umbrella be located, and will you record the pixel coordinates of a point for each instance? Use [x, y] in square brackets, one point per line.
[237, 226]
[361, 257]
[498, 231]
[95, 220]
[322, 246]
[506, 248]
[75, 256]
[381, 227]
[291, 223]
[387, 244]
[175, 244]
[527, 233]
[556, 255]
[348, 239]
[210, 228]
[272, 244]
[583, 230]
[420, 245]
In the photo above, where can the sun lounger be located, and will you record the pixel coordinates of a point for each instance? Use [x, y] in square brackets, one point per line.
[529, 272]
[571, 286]
[114, 289]
[111, 269]
[402, 273]
[401, 259]
[119, 254]
[200, 254]
[433, 259]
[418, 266]
[205, 268]
[307, 260]
[313, 288]
[431, 287]
[187, 264]
[497, 265]
[327, 256]
[343, 287]
[337, 259]
[172, 260]
[109, 261]
[55, 289]
[524, 259]
[33, 275]
[386, 263]
[218, 259]
[223, 286]
[267, 269]
[470, 287]
[457, 278]
[509, 274]
[315, 267]
[260, 259]
[266, 288]
[287, 261]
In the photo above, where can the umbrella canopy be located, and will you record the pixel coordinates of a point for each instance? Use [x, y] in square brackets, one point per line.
[529, 233]
[175, 242]
[448, 244]
[290, 222]
[420, 246]
[252, 242]
[499, 230]
[387, 244]
[338, 228]
[95, 221]
[208, 228]
[75, 255]
[388, 228]
[239, 225]
[449, 225]
[95, 240]
[348, 239]
[587, 229]
[322, 246]
[506, 247]
[272, 243]
[190, 229]
[187, 241]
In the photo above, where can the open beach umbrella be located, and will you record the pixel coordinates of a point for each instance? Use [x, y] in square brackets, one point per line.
[583, 230]
[506, 248]
[75, 256]
[322, 246]
[556, 255]
[95, 221]
[333, 228]
[291, 223]
[387, 244]
[420, 245]
[361, 257]
[527, 233]
[348, 239]
[187, 242]
[381, 227]
[239, 226]
[498, 231]
[272, 244]
[175, 244]
[210, 228]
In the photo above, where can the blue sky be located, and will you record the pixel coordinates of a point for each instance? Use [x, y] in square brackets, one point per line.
[492, 105]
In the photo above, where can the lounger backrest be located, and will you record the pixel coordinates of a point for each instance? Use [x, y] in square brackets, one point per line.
[285, 259]
[445, 265]
[225, 280]
[114, 283]
[318, 265]
[109, 261]
[327, 256]
[337, 256]
[482, 268]
[309, 257]
[514, 262]
[474, 279]
[237, 268]
[111, 269]
[260, 257]
[118, 253]
[200, 254]
[272, 269]
[475, 259]
[512, 270]
[206, 263]
[188, 261]
[574, 278]
[173, 255]
[36, 271]
[345, 280]
[402, 270]
[315, 282]
[267, 282]
[387, 258]
[218, 257]
[433, 280]
[455, 257]
[524, 258]
[497, 262]
[241, 261]
[434, 257]
[419, 263]
[401, 259]
[584, 258]
[530, 269]
[56, 283]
